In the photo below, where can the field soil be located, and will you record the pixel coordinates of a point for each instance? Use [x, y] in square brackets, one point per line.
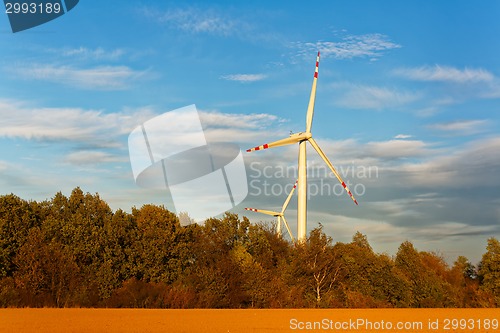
[232, 321]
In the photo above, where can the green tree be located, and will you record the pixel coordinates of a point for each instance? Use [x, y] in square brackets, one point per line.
[158, 249]
[78, 223]
[369, 279]
[427, 275]
[116, 238]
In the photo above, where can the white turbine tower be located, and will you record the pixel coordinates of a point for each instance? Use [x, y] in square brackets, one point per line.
[279, 215]
[301, 138]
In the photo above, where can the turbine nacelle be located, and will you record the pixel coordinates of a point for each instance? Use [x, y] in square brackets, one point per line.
[301, 136]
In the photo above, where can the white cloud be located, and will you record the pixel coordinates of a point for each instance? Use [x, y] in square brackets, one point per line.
[445, 74]
[412, 164]
[92, 127]
[371, 97]
[96, 78]
[492, 91]
[461, 127]
[219, 119]
[396, 149]
[244, 77]
[351, 46]
[87, 157]
[98, 53]
[196, 20]
[473, 165]
[245, 129]
[402, 136]
[96, 128]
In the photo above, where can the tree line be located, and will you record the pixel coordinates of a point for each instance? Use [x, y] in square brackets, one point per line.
[76, 252]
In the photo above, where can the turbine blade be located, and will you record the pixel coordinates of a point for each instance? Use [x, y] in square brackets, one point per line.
[282, 142]
[288, 228]
[312, 98]
[327, 161]
[263, 211]
[287, 201]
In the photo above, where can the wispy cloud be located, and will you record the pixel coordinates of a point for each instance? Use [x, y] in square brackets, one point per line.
[402, 136]
[254, 120]
[475, 164]
[99, 129]
[89, 157]
[244, 78]
[445, 74]
[373, 97]
[461, 127]
[86, 127]
[96, 78]
[98, 53]
[352, 46]
[246, 129]
[197, 20]
[396, 149]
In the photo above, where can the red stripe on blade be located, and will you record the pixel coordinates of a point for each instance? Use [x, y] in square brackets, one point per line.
[316, 75]
[265, 146]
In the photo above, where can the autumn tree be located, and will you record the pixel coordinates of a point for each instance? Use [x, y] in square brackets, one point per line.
[217, 270]
[314, 267]
[369, 279]
[17, 217]
[157, 250]
[463, 277]
[270, 258]
[46, 272]
[427, 276]
[76, 251]
[489, 271]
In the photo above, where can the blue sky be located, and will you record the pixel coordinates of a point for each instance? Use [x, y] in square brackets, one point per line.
[407, 107]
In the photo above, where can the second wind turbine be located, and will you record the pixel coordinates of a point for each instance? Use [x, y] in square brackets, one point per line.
[301, 138]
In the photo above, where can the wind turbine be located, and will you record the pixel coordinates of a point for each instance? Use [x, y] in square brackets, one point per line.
[301, 138]
[280, 215]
